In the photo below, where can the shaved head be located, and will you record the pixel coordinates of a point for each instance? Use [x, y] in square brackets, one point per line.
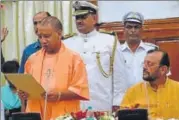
[50, 34]
[54, 22]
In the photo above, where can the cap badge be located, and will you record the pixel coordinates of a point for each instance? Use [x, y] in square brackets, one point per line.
[77, 5]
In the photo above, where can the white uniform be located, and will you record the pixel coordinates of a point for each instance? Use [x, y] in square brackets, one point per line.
[101, 88]
[134, 61]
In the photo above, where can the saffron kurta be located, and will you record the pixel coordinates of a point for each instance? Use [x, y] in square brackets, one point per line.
[162, 103]
[59, 72]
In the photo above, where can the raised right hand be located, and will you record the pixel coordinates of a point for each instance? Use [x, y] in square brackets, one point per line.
[4, 33]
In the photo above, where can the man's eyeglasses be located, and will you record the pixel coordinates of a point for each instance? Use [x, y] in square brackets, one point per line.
[81, 17]
[36, 22]
[131, 26]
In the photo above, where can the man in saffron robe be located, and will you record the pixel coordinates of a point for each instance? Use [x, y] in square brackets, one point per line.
[59, 70]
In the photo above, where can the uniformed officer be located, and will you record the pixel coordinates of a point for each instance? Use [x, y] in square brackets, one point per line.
[97, 50]
[134, 49]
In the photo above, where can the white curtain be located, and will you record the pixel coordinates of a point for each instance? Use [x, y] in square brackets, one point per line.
[17, 17]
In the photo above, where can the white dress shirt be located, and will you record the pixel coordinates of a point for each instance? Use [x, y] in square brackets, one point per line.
[134, 60]
[102, 97]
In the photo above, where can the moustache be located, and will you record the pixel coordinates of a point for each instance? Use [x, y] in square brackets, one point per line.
[133, 35]
[80, 23]
[145, 71]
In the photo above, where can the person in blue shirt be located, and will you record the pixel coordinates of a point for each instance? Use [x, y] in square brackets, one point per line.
[9, 98]
[34, 47]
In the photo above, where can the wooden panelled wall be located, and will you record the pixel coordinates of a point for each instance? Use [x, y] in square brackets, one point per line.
[153, 30]
[162, 32]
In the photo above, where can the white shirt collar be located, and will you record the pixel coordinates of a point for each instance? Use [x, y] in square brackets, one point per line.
[92, 33]
[126, 47]
[142, 45]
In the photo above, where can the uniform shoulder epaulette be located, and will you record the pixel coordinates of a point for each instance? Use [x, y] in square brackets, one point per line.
[69, 36]
[106, 32]
[151, 44]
